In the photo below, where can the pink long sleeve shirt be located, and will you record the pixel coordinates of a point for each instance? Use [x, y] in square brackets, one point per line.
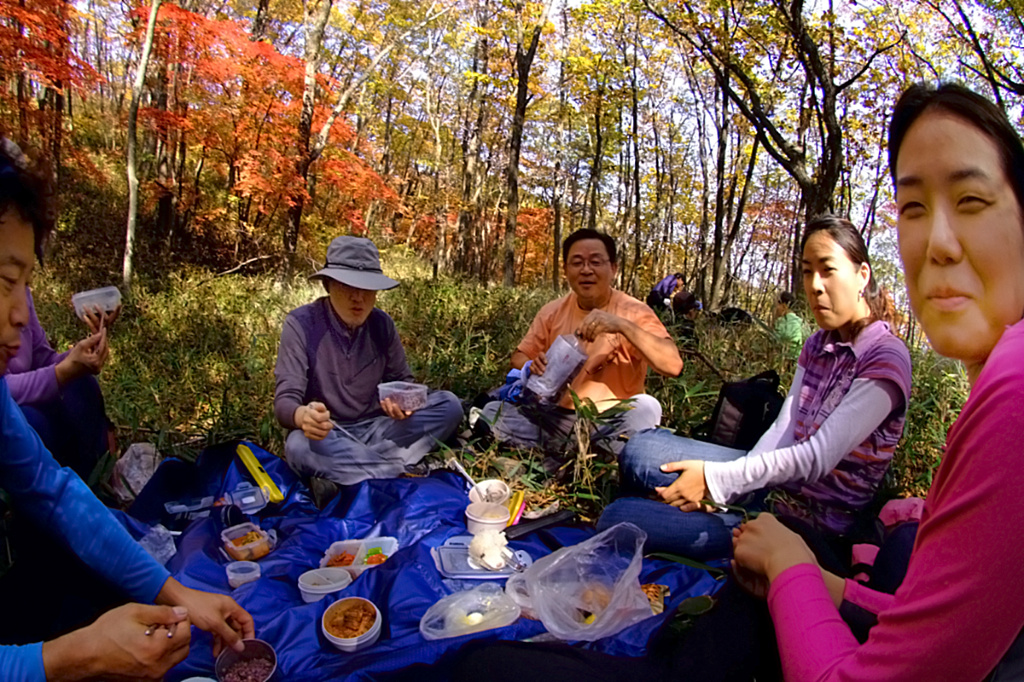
[961, 605]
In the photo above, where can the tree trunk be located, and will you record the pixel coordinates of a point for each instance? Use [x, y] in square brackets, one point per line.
[469, 207]
[315, 20]
[524, 60]
[133, 116]
[595, 169]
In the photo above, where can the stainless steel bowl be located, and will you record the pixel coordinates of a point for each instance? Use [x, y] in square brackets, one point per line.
[254, 648]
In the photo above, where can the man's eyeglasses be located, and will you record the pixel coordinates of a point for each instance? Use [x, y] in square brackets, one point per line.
[594, 263]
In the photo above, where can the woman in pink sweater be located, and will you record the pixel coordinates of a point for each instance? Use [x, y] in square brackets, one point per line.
[958, 169]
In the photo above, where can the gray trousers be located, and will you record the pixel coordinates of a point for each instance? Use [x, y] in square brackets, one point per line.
[551, 429]
[380, 447]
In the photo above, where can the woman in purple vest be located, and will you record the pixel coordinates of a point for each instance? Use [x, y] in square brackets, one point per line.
[823, 459]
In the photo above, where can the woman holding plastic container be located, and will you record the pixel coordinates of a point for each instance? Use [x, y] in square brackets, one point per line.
[132, 640]
[59, 393]
[823, 458]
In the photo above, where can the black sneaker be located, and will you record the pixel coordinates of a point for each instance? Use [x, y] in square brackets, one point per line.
[322, 490]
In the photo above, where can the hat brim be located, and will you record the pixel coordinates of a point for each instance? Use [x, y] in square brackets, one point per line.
[358, 279]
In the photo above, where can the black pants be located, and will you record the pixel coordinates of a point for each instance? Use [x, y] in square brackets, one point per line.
[73, 426]
[734, 642]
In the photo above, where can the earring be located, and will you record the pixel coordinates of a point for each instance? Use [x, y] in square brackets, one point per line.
[860, 294]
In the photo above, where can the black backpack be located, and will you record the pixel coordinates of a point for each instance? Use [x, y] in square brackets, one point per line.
[744, 411]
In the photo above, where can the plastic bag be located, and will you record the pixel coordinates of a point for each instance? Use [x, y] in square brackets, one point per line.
[133, 470]
[588, 591]
[565, 360]
[484, 607]
[159, 542]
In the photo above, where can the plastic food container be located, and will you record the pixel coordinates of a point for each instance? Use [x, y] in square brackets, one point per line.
[491, 490]
[351, 644]
[259, 545]
[566, 358]
[242, 572]
[106, 298]
[320, 582]
[407, 396]
[365, 553]
[255, 649]
[486, 516]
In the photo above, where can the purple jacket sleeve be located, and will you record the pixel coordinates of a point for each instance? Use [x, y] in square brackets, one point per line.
[31, 376]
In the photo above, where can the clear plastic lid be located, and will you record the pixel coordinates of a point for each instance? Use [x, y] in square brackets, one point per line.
[106, 298]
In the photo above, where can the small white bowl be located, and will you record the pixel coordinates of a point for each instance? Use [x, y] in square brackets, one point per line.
[491, 490]
[320, 582]
[486, 516]
[242, 572]
[352, 644]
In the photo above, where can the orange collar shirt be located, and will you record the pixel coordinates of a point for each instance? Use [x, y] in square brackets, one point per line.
[615, 369]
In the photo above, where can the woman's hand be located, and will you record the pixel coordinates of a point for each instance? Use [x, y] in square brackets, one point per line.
[96, 319]
[690, 489]
[765, 547]
[86, 357]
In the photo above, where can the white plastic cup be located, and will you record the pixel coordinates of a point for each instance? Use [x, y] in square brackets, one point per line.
[352, 644]
[316, 584]
[491, 490]
[242, 572]
[482, 516]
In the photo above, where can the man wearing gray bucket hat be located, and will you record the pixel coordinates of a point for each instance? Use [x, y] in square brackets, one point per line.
[334, 353]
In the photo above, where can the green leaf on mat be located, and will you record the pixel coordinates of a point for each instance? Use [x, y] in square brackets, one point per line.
[716, 573]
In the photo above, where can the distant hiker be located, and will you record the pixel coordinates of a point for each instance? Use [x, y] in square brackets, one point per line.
[661, 294]
[789, 327]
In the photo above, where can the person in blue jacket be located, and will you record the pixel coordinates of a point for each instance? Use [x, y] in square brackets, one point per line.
[135, 640]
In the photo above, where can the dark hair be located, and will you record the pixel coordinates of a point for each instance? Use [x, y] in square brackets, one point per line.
[587, 233]
[26, 192]
[846, 235]
[684, 302]
[971, 108]
[787, 298]
[680, 277]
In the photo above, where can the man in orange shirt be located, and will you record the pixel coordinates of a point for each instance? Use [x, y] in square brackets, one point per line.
[621, 337]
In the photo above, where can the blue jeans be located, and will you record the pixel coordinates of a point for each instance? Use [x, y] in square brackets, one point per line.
[380, 447]
[698, 535]
[513, 424]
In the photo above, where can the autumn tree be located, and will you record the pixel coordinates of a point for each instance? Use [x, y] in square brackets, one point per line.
[753, 50]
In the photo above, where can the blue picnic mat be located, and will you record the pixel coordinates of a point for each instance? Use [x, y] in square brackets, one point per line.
[420, 512]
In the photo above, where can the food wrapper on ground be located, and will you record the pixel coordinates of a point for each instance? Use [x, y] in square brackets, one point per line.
[657, 595]
[133, 470]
